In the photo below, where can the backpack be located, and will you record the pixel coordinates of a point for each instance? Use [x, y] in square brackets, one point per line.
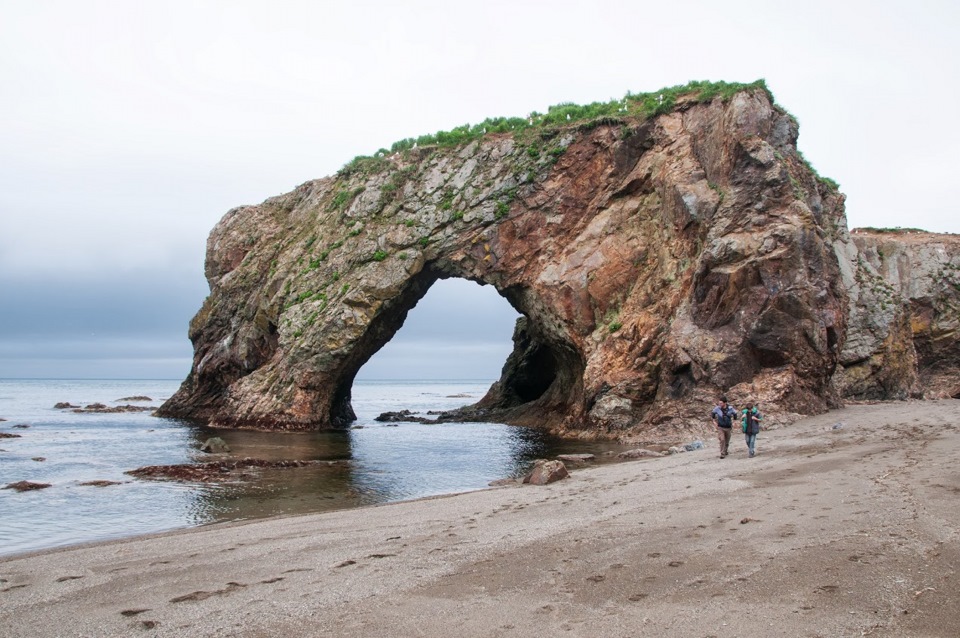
[725, 421]
[751, 421]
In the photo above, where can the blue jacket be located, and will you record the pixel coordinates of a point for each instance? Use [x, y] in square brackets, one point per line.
[718, 416]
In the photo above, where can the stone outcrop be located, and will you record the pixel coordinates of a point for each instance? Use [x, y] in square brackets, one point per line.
[657, 262]
[904, 333]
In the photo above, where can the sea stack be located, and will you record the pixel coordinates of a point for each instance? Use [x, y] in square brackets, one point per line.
[662, 251]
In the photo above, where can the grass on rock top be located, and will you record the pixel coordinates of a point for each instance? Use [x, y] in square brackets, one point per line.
[633, 105]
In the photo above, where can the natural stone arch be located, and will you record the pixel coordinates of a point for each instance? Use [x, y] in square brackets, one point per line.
[656, 263]
[541, 375]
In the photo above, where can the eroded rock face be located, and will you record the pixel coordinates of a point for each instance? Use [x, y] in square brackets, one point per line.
[656, 264]
[904, 336]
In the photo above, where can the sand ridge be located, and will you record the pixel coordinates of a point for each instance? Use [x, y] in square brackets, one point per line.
[850, 531]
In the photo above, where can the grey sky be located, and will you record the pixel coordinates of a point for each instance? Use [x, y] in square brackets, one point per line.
[129, 128]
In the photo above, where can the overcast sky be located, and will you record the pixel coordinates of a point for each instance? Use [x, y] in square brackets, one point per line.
[129, 128]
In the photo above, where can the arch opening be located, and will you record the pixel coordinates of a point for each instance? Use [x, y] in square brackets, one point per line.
[438, 328]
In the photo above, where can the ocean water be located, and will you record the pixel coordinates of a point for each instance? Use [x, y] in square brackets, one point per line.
[382, 463]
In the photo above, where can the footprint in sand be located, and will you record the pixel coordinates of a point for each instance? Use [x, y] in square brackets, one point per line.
[203, 595]
[12, 587]
[133, 612]
[66, 578]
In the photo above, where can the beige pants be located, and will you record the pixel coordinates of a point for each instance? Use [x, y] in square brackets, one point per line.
[724, 435]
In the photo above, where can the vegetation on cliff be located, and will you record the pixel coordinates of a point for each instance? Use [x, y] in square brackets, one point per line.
[638, 106]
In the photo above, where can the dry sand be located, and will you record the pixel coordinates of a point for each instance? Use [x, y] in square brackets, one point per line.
[827, 532]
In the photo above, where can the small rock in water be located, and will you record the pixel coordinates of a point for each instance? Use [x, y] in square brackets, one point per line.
[138, 397]
[24, 486]
[22, 426]
[215, 445]
[9, 435]
[39, 459]
[63, 405]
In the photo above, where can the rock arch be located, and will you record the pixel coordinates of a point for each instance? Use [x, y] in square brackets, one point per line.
[655, 262]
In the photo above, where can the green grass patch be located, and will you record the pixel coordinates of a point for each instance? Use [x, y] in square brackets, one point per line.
[613, 112]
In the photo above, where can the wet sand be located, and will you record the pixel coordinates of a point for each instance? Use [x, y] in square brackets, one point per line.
[827, 532]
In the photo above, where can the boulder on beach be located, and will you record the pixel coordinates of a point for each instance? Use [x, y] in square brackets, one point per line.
[576, 458]
[545, 472]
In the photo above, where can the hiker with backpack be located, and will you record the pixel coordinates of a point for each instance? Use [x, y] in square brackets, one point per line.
[750, 423]
[723, 416]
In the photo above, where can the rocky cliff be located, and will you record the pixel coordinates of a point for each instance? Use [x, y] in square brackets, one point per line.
[904, 329]
[659, 256]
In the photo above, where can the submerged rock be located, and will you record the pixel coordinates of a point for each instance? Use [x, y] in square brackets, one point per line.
[100, 408]
[26, 486]
[217, 470]
[215, 445]
[99, 483]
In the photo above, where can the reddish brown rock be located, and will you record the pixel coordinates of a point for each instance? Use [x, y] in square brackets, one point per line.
[657, 263]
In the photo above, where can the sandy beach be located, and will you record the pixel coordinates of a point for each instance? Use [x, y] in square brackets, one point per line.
[829, 531]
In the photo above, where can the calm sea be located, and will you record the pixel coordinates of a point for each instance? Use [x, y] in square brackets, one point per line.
[384, 463]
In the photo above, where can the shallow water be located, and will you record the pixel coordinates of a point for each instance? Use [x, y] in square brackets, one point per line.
[384, 462]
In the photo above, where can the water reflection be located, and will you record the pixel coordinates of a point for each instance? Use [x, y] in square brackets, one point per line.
[375, 464]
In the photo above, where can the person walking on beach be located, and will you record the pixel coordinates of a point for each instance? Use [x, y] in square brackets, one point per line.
[750, 422]
[723, 416]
